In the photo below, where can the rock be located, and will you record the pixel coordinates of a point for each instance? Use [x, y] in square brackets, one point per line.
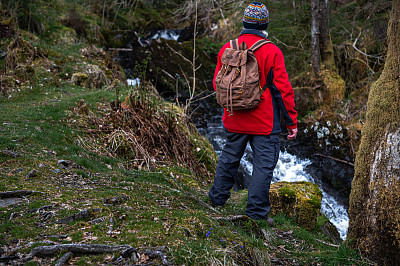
[31, 174]
[96, 77]
[80, 79]
[116, 200]
[9, 201]
[64, 164]
[330, 230]
[297, 199]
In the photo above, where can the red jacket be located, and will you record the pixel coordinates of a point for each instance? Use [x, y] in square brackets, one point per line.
[277, 98]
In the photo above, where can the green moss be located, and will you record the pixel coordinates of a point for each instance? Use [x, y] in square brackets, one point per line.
[80, 79]
[297, 199]
[287, 194]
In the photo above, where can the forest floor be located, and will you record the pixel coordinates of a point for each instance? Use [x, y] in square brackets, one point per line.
[58, 192]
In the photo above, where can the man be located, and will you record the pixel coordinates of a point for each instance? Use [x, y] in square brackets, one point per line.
[259, 126]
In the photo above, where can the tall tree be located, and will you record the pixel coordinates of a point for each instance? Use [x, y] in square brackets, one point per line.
[322, 55]
[375, 196]
[322, 50]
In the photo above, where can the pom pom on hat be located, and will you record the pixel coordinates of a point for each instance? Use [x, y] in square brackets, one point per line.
[256, 16]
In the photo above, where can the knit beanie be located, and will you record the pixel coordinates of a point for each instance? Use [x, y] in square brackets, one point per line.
[256, 16]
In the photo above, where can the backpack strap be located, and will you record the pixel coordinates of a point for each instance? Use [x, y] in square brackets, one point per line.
[258, 44]
[235, 44]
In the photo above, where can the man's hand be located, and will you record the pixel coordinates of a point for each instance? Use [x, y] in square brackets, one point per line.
[292, 133]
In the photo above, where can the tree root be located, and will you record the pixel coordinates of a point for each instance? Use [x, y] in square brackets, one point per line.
[44, 251]
[234, 218]
[157, 254]
[64, 259]
[18, 193]
[127, 252]
[83, 215]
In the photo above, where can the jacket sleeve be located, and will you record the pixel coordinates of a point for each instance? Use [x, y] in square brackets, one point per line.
[285, 93]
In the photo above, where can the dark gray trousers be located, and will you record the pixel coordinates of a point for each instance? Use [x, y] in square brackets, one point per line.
[265, 156]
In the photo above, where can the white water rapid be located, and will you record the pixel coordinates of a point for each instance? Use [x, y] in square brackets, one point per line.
[289, 168]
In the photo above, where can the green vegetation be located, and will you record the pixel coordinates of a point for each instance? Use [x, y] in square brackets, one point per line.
[128, 157]
[44, 125]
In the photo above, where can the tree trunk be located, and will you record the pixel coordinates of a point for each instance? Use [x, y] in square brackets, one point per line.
[326, 47]
[375, 195]
[321, 45]
[315, 32]
[322, 55]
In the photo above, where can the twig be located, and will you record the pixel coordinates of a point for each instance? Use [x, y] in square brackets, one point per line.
[120, 49]
[336, 159]
[184, 58]
[286, 45]
[367, 55]
[202, 98]
[326, 243]
[223, 17]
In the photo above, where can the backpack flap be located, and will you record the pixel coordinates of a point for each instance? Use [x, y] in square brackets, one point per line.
[233, 57]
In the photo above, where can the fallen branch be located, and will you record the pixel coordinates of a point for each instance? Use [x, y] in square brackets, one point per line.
[64, 259]
[233, 218]
[43, 251]
[18, 193]
[326, 243]
[335, 159]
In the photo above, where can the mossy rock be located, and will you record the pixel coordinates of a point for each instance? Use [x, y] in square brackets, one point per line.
[80, 79]
[64, 36]
[297, 199]
[330, 230]
[97, 78]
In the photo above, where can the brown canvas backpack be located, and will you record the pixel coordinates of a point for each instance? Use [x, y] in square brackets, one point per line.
[238, 81]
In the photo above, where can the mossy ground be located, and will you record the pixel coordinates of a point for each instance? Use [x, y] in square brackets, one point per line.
[160, 207]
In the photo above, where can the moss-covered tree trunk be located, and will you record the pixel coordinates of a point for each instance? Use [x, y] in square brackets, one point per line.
[375, 196]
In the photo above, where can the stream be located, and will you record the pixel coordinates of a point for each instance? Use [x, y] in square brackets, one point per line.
[289, 168]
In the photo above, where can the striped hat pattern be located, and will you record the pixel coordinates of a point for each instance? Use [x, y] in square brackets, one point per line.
[256, 16]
